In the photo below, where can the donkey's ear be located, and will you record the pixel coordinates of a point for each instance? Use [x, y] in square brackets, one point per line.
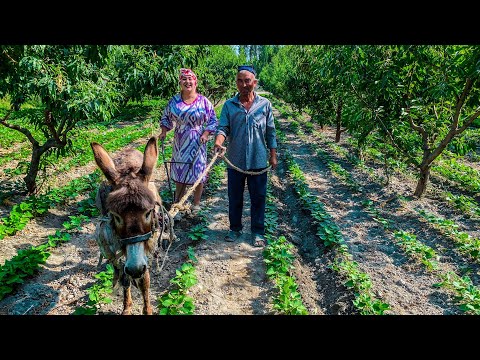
[150, 157]
[104, 162]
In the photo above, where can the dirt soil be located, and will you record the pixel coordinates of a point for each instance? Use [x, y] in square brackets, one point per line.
[231, 276]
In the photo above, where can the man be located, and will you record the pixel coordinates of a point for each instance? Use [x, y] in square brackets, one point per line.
[247, 122]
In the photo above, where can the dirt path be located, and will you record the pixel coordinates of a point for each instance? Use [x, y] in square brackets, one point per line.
[231, 277]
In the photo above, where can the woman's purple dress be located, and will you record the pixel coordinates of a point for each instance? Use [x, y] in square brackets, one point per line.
[190, 121]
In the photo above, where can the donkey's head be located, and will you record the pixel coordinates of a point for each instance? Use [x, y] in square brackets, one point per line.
[131, 202]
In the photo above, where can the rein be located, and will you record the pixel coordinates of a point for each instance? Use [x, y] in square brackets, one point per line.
[136, 238]
[148, 235]
[176, 207]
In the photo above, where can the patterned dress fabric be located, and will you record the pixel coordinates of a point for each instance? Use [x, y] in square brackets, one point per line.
[189, 156]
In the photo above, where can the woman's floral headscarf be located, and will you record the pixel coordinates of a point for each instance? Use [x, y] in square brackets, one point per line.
[187, 72]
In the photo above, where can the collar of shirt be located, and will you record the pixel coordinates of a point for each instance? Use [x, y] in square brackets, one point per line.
[237, 99]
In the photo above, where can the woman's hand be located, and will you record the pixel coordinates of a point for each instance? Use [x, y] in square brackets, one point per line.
[204, 138]
[162, 136]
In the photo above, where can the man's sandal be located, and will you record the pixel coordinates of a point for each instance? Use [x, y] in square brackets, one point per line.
[232, 235]
[258, 240]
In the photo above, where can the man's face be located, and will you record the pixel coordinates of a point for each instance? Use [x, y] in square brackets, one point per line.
[245, 82]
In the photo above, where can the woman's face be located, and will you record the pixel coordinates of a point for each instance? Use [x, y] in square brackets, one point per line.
[188, 83]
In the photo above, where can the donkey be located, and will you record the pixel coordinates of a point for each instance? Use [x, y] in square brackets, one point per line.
[131, 207]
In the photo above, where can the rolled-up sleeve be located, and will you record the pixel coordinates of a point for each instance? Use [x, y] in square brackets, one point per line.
[223, 124]
[166, 119]
[212, 121]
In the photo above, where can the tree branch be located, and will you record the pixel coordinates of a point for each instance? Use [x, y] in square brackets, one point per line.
[469, 121]
[49, 124]
[11, 59]
[453, 128]
[460, 102]
[27, 133]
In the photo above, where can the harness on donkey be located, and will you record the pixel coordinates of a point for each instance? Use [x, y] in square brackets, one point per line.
[110, 243]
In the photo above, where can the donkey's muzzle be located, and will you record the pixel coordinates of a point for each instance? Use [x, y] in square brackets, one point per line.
[136, 261]
[136, 272]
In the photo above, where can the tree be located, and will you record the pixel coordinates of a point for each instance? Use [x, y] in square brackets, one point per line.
[147, 70]
[66, 83]
[216, 73]
[441, 98]
[420, 98]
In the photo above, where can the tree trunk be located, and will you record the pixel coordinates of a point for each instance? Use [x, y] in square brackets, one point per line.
[30, 178]
[360, 154]
[423, 181]
[338, 120]
[386, 169]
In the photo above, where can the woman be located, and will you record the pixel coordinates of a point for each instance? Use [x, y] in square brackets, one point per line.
[194, 119]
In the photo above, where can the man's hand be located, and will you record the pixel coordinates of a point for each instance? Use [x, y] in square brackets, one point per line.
[219, 149]
[273, 160]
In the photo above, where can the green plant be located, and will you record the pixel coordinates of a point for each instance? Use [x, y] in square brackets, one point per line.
[176, 301]
[98, 293]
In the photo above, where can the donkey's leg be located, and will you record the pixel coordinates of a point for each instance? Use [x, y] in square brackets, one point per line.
[127, 301]
[144, 285]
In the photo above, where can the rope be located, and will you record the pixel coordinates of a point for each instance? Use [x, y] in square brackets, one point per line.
[244, 171]
[163, 262]
[175, 208]
[170, 224]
